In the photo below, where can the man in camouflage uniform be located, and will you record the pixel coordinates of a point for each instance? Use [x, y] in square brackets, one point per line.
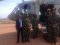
[26, 30]
[51, 26]
[35, 27]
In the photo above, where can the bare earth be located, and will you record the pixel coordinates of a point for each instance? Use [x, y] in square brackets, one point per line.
[8, 37]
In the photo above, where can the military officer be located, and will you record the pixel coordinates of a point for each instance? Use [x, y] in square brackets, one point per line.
[35, 27]
[51, 26]
[26, 29]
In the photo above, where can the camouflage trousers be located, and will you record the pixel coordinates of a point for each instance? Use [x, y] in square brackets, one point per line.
[52, 33]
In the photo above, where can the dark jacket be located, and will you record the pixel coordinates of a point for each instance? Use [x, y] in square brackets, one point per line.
[17, 24]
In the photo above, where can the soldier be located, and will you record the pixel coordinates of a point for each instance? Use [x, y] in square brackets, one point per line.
[35, 27]
[26, 29]
[51, 25]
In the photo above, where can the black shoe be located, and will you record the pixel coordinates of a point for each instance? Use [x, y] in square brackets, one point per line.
[34, 37]
[28, 41]
[17, 42]
[23, 41]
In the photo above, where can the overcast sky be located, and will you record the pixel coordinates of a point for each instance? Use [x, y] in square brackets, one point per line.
[7, 6]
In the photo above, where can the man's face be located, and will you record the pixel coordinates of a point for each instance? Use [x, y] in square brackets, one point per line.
[20, 17]
[49, 11]
[54, 10]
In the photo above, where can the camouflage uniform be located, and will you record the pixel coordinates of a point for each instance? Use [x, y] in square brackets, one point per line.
[35, 27]
[26, 29]
[51, 26]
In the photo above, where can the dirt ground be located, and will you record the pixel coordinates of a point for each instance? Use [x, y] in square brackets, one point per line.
[8, 37]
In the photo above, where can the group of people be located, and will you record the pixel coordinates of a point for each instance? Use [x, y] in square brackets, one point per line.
[23, 27]
[50, 20]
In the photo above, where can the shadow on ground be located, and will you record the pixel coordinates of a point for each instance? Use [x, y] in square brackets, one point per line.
[10, 39]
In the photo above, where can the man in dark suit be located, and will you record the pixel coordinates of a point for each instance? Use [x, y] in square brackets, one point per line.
[19, 28]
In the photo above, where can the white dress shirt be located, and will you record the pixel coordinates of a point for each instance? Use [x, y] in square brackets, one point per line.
[20, 20]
